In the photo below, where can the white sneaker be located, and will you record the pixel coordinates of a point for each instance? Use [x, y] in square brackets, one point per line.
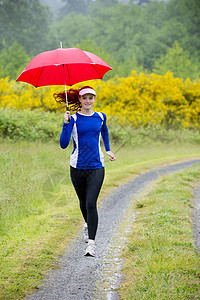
[91, 247]
[85, 232]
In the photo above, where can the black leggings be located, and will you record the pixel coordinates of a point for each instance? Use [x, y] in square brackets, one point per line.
[87, 184]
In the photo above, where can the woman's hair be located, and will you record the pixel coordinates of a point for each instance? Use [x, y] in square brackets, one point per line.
[72, 98]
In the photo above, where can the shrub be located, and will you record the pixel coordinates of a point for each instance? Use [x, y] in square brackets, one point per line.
[138, 101]
[29, 125]
[45, 126]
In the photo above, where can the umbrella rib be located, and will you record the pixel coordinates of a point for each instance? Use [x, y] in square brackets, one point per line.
[39, 77]
[66, 67]
[97, 71]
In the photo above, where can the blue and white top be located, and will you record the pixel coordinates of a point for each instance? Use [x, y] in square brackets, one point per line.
[85, 131]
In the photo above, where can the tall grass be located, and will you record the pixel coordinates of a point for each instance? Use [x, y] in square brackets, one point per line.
[39, 213]
[161, 259]
[29, 173]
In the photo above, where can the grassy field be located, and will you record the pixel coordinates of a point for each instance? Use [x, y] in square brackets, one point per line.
[39, 209]
[161, 261]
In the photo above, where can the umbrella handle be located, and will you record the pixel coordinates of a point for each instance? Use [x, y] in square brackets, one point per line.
[66, 100]
[66, 97]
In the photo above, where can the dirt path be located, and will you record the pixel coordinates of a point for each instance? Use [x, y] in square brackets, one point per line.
[80, 277]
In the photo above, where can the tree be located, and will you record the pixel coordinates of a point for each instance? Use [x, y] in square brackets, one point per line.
[177, 61]
[70, 30]
[12, 61]
[134, 35]
[186, 12]
[76, 6]
[25, 22]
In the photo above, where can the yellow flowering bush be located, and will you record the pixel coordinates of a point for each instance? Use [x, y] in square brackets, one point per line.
[139, 100]
[146, 100]
[24, 96]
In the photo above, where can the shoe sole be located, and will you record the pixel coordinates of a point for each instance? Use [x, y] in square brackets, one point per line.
[89, 254]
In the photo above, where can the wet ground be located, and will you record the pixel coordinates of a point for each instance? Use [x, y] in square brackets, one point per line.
[79, 277]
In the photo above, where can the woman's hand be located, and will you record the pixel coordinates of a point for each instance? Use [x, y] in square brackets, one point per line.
[67, 117]
[112, 156]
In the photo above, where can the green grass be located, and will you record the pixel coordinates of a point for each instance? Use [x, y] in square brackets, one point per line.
[39, 213]
[39, 208]
[161, 260]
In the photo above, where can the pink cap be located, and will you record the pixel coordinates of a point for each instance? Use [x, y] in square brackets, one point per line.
[87, 91]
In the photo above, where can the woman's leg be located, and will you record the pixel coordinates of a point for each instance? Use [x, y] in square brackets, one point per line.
[79, 181]
[87, 184]
[94, 183]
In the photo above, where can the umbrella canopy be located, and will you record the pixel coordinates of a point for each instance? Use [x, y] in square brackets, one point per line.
[63, 67]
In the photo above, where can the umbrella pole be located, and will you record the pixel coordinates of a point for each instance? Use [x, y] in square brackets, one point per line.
[66, 97]
[65, 84]
[67, 101]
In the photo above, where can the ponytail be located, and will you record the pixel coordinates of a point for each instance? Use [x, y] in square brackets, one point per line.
[72, 98]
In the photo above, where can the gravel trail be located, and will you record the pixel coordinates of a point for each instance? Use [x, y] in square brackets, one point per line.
[79, 277]
[196, 217]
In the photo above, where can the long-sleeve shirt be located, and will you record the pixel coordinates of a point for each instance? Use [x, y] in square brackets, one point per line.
[86, 132]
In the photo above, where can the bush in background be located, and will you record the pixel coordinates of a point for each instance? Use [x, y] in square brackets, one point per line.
[46, 126]
[140, 100]
[30, 125]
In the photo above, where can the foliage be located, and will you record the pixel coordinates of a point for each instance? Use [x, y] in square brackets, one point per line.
[25, 22]
[45, 126]
[132, 32]
[76, 6]
[137, 36]
[71, 30]
[25, 96]
[13, 61]
[30, 126]
[186, 12]
[177, 61]
[140, 100]
[149, 100]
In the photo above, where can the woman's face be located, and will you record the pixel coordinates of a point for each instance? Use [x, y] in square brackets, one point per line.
[87, 101]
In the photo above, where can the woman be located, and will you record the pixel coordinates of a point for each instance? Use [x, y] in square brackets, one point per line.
[87, 160]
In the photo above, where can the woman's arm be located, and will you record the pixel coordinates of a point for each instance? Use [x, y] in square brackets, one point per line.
[105, 136]
[66, 133]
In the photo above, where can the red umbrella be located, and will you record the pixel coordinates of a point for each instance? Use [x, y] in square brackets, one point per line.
[63, 67]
